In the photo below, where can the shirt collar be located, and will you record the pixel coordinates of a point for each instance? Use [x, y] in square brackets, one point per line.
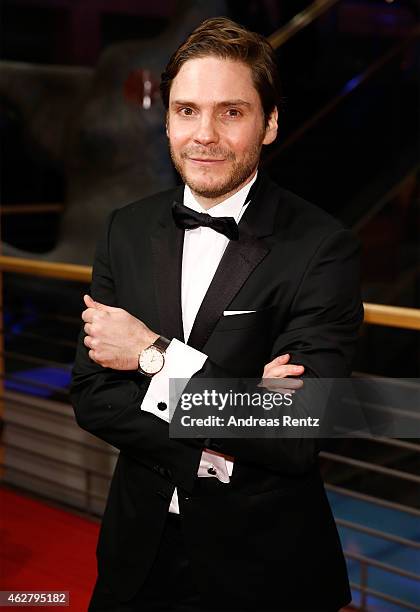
[231, 207]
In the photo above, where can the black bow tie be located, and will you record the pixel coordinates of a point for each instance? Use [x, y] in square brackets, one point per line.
[186, 218]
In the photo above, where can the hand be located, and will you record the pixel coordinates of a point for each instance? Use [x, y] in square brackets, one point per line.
[115, 338]
[279, 368]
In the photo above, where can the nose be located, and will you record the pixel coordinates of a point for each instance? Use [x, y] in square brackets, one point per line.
[206, 132]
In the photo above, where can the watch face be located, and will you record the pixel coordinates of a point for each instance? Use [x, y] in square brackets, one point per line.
[151, 360]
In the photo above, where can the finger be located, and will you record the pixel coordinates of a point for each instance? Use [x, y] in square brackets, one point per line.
[283, 371]
[87, 341]
[87, 315]
[92, 355]
[283, 383]
[90, 303]
[88, 329]
[280, 360]
[276, 389]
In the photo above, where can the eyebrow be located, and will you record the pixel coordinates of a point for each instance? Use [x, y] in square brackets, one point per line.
[237, 102]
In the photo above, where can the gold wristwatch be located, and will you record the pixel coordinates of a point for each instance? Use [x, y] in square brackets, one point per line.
[152, 358]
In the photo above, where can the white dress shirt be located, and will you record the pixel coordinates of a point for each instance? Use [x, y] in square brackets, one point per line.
[203, 250]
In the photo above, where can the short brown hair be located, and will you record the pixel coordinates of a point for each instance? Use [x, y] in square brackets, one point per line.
[222, 37]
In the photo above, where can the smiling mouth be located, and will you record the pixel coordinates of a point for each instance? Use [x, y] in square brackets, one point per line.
[205, 161]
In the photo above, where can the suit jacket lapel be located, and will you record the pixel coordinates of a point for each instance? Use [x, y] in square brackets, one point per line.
[239, 259]
[167, 245]
[237, 263]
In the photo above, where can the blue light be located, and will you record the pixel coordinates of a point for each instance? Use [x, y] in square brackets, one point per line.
[57, 377]
[352, 84]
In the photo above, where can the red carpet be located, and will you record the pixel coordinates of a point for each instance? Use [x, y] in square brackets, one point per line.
[44, 548]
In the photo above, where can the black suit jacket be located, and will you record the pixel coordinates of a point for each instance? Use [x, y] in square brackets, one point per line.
[268, 538]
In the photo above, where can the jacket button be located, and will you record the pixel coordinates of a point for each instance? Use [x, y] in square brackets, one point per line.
[162, 406]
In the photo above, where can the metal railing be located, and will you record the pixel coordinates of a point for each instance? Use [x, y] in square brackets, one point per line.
[30, 209]
[300, 21]
[365, 590]
[375, 314]
[367, 562]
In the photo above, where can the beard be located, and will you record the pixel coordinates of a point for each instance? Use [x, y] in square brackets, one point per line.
[237, 174]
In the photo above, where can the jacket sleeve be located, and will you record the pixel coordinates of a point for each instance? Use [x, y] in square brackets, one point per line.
[321, 334]
[107, 403]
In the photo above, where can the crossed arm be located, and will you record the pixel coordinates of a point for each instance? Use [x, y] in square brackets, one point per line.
[107, 391]
[115, 338]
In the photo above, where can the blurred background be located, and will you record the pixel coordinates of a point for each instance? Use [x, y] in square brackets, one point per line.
[82, 132]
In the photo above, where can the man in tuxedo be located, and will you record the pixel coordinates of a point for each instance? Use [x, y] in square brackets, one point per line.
[226, 276]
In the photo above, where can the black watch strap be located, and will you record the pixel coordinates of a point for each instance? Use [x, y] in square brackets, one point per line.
[161, 343]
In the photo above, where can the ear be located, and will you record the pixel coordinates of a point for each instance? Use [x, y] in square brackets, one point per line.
[272, 127]
[167, 125]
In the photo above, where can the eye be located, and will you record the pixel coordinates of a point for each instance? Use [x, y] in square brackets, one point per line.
[186, 111]
[233, 113]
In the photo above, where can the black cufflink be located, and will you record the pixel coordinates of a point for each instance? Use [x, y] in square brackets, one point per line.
[162, 406]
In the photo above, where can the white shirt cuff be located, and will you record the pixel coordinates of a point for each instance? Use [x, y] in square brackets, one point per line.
[213, 464]
[181, 362]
